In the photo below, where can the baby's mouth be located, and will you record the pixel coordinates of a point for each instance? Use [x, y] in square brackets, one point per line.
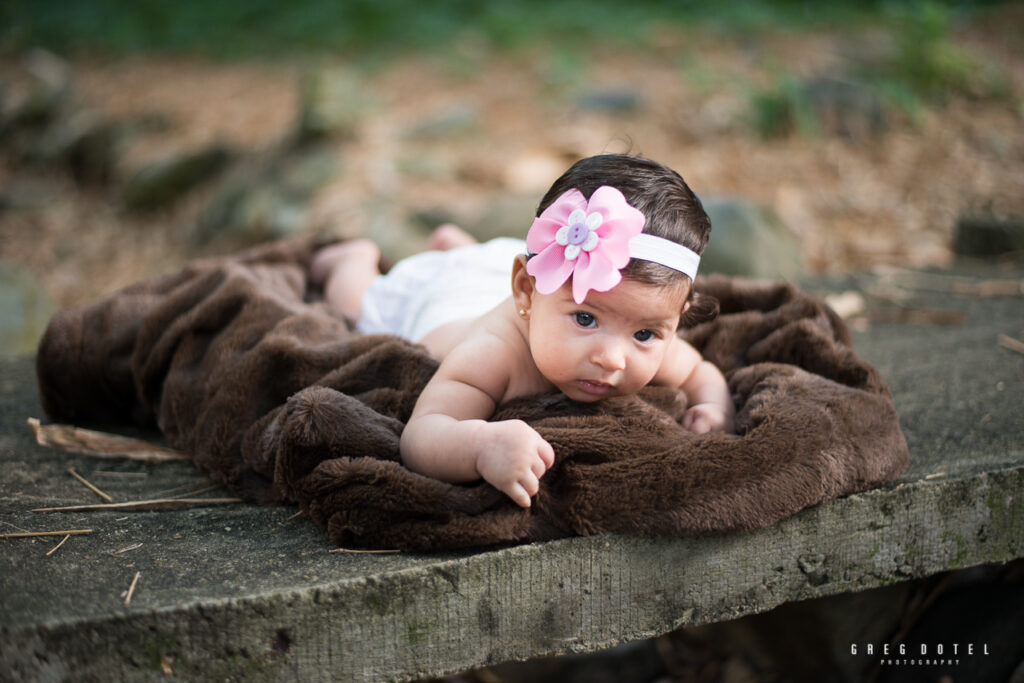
[594, 387]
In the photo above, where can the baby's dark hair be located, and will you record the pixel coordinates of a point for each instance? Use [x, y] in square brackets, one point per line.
[673, 212]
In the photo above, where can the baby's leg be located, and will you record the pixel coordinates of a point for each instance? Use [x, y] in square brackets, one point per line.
[346, 270]
[450, 236]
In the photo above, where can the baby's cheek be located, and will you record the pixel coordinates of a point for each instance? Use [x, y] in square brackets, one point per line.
[553, 370]
[650, 368]
[543, 360]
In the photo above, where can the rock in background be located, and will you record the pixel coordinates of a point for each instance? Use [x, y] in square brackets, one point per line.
[249, 195]
[333, 103]
[266, 197]
[43, 126]
[987, 236]
[750, 240]
[25, 309]
[163, 181]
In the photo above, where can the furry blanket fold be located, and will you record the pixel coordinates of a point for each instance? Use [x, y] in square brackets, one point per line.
[238, 365]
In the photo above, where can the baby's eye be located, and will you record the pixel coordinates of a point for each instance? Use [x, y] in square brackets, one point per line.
[644, 336]
[584, 319]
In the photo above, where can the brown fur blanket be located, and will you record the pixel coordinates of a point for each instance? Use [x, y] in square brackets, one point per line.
[238, 365]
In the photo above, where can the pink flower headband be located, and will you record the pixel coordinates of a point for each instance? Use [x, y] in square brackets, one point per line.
[592, 241]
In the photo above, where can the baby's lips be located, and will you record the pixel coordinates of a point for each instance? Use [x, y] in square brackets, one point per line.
[595, 386]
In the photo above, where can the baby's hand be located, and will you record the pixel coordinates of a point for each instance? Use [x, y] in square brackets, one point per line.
[707, 417]
[512, 457]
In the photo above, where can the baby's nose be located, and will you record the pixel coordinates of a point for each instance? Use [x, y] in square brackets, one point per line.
[610, 356]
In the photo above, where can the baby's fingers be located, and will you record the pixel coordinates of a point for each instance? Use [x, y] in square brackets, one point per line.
[547, 454]
[530, 483]
[539, 466]
[697, 422]
[521, 491]
[518, 494]
[701, 426]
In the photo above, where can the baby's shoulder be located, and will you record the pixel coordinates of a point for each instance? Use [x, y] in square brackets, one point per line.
[679, 362]
[483, 359]
[495, 341]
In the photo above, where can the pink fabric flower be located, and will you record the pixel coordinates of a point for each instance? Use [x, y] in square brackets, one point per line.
[586, 240]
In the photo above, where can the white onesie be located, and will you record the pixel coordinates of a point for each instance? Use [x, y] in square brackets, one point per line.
[427, 290]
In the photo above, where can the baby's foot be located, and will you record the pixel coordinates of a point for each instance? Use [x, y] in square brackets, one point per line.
[450, 236]
[328, 259]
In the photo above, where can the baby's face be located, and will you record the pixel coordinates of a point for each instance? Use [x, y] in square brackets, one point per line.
[610, 345]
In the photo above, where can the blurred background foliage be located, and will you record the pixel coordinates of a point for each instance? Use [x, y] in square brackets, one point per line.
[924, 68]
[868, 129]
[370, 30]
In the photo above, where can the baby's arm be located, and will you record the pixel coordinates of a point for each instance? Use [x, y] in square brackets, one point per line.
[711, 408]
[448, 437]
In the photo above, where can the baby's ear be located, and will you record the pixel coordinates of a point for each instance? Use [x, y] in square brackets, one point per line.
[522, 284]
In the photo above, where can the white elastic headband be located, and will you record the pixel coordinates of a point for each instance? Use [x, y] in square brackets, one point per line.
[665, 252]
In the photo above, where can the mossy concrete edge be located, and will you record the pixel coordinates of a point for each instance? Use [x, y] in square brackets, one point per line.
[574, 595]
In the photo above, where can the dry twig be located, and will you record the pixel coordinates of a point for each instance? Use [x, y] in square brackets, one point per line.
[165, 665]
[919, 316]
[196, 493]
[57, 547]
[142, 504]
[131, 590]
[184, 487]
[989, 288]
[135, 546]
[958, 285]
[1008, 342]
[101, 444]
[101, 494]
[30, 534]
[351, 551]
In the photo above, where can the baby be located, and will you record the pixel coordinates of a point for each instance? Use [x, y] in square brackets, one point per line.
[597, 296]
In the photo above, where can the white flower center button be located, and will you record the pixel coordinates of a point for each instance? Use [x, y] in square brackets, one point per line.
[580, 233]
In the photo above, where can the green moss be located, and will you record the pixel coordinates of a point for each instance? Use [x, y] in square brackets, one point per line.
[417, 631]
[378, 600]
[962, 550]
[156, 647]
[239, 667]
[1006, 509]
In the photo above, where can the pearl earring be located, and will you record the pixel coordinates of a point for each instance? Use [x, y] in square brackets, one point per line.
[522, 312]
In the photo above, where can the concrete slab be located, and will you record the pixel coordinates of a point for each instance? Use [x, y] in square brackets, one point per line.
[236, 592]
